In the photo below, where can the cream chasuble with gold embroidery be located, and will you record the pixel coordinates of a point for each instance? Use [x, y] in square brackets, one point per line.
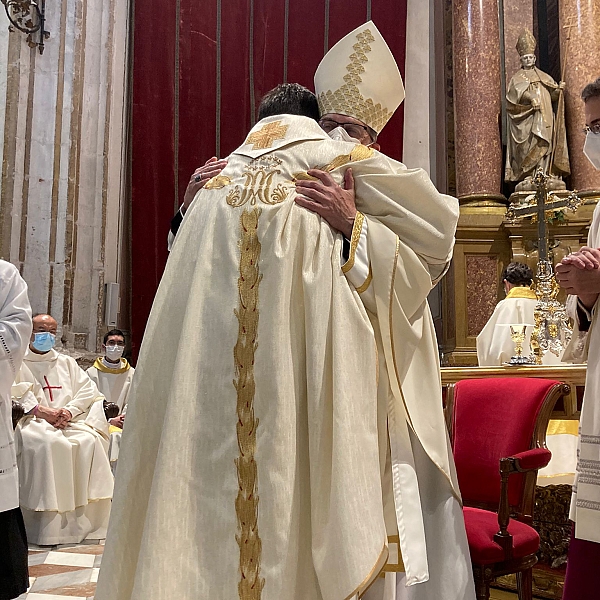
[252, 460]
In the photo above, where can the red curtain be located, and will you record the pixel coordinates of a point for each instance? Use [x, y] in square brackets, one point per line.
[199, 72]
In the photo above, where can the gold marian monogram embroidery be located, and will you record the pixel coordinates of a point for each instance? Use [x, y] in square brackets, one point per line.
[246, 504]
[257, 187]
[266, 135]
[359, 152]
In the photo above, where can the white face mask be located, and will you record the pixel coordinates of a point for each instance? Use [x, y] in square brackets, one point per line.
[591, 148]
[339, 134]
[114, 353]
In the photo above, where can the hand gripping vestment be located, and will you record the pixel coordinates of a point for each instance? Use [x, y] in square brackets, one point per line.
[250, 466]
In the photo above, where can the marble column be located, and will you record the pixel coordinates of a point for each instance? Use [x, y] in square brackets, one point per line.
[580, 40]
[477, 105]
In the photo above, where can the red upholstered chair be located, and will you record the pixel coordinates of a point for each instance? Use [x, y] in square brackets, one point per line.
[498, 433]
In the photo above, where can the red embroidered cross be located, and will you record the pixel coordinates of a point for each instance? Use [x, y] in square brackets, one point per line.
[50, 388]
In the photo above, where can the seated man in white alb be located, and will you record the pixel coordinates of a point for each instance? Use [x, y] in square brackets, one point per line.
[494, 344]
[65, 481]
[113, 374]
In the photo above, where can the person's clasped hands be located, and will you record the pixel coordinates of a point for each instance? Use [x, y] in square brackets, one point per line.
[579, 272]
[58, 417]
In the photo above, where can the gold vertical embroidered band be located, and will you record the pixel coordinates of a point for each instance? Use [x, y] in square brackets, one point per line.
[246, 504]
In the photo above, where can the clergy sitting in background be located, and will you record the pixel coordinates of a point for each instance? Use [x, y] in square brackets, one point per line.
[494, 344]
[65, 481]
[113, 374]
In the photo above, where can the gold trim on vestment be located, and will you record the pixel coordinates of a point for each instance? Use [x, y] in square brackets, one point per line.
[366, 283]
[355, 238]
[246, 503]
[563, 426]
[359, 152]
[521, 292]
[372, 576]
[98, 364]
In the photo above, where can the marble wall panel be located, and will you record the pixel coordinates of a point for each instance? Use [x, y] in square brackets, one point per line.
[62, 125]
[482, 290]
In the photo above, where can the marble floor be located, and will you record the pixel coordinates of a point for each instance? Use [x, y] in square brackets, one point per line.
[71, 572]
[64, 572]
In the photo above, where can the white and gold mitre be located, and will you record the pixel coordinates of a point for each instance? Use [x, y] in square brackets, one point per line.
[526, 43]
[359, 78]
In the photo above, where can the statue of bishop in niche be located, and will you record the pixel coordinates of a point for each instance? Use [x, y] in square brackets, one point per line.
[536, 123]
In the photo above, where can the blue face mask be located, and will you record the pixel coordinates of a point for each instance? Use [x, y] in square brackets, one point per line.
[44, 341]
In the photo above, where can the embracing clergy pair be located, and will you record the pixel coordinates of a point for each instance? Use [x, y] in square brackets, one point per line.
[289, 441]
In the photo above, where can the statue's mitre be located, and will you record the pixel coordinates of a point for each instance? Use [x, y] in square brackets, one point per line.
[526, 43]
[359, 78]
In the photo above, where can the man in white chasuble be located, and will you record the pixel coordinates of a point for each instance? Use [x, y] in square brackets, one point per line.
[65, 482]
[494, 343]
[112, 374]
[257, 465]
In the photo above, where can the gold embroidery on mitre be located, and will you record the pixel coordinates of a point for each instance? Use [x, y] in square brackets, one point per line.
[266, 135]
[217, 182]
[250, 584]
[348, 99]
[359, 152]
[259, 174]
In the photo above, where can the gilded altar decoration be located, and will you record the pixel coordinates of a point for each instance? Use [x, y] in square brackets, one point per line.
[246, 504]
[360, 152]
[266, 135]
[552, 330]
[258, 182]
[217, 182]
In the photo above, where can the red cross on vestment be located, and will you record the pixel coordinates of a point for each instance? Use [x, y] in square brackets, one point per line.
[50, 388]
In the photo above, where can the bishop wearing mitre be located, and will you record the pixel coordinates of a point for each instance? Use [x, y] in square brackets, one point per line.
[285, 435]
[65, 481]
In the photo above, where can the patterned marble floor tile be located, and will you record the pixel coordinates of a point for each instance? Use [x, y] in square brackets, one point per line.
[98, 561]
[92, 549]
[36, 596]
[51, 582]
[70, 559]
[47, 569]
[71, 591]
[94, 577]
[37, 558]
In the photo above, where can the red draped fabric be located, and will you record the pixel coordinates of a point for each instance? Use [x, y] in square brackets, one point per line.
[199, 72]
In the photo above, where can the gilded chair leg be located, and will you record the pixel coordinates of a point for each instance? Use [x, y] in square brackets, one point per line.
[482, 582]
[525, 584]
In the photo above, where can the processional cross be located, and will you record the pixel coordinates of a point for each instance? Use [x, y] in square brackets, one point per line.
[550, 315]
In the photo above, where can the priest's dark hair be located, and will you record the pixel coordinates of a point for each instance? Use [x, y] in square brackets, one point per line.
[289, 99]
[591, 90]
[111, 333]
[518, 274]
